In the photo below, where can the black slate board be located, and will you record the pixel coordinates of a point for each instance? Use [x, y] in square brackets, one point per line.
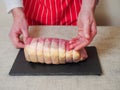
[91, 66]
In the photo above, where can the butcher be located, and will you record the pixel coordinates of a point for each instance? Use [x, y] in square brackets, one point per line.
[53, 12]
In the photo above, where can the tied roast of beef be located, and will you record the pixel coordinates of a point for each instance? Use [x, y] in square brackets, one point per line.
[51, 51]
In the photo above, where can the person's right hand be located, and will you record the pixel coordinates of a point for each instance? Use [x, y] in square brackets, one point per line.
[19, 27]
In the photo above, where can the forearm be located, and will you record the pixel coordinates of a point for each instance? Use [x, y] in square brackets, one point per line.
[11, 4]
[88, 5]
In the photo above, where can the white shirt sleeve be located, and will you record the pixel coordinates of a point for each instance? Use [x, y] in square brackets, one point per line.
[10, 4]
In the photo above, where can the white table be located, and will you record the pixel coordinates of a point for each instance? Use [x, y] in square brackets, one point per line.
[107, 42]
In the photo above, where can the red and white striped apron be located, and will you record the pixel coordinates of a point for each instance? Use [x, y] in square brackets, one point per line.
[52, 12]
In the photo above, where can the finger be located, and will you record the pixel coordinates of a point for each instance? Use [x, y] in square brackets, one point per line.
[25, 33]
[72, 46]
[94, 30]
[17, 43]
[77, 46]
[87, 30]
[80, 45]
[83, 54]
[73, 40]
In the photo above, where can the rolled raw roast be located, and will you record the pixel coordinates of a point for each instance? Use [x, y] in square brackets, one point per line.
[51, 51]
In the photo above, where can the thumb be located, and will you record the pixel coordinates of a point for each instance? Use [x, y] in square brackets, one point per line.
[25, 34]
[87, 31]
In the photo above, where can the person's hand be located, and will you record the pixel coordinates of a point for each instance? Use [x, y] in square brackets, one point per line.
[86, 26]
[19, 27]
[86, 30]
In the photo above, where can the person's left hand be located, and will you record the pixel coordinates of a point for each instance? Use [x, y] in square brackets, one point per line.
[86, 30]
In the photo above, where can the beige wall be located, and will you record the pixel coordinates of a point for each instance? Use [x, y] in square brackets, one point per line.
[5, 19]
[107, 13]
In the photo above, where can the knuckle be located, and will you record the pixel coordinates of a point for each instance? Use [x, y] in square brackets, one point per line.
[15, 45]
